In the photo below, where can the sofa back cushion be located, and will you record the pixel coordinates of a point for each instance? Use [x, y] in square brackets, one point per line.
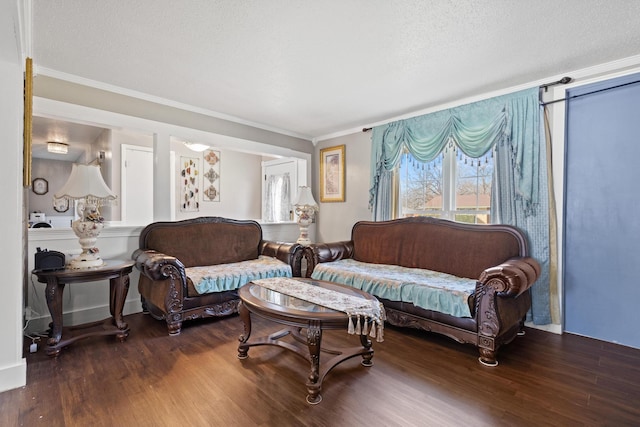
[463, 250]
[204, 241]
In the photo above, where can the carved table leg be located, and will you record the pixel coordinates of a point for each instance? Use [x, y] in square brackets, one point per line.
[53, 294]
[314, 341]
[118, 288]
[245, 316]
[366, 357]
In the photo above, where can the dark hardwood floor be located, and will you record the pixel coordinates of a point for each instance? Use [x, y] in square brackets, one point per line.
[418, 379]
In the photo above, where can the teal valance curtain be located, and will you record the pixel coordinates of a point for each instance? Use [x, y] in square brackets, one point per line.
[475, 128]
[510, 125]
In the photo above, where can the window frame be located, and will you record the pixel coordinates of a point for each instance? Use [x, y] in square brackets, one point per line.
[449, 187]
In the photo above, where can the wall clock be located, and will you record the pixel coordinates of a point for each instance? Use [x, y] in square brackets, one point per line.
[61, 205]
[40, 186]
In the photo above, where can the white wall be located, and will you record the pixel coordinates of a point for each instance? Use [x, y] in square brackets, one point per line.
[113, 164]
[13, 368]
[56, 173]
[240, 185]
[336, 219]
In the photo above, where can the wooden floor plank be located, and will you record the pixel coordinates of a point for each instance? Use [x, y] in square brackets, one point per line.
[417, 379]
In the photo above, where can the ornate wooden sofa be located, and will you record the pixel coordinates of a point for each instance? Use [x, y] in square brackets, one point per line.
[192, 268]
[398, 260]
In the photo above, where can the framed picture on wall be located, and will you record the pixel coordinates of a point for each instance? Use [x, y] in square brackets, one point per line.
[189, 184]
[211, 176]
[332, 177]
[40, 186]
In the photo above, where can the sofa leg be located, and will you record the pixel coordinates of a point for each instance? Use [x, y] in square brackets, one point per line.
[488, 357]
[174, 328]
[145, 309]
[174, 324]
[521, 331]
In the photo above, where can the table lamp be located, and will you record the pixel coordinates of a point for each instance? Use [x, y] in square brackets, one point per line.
[306, 208]
[85, 184]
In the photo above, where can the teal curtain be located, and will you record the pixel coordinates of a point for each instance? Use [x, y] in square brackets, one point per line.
[510, 124]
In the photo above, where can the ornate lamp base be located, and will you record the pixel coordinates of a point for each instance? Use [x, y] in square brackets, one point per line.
[85, 261]
[87, 232]
[304, 220]
[303, 239]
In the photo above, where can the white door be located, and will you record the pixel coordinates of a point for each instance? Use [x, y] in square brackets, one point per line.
[137, 184]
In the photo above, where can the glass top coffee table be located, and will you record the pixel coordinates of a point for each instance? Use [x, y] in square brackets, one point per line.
[297, 315]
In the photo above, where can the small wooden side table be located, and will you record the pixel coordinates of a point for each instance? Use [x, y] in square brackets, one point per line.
[116, 271]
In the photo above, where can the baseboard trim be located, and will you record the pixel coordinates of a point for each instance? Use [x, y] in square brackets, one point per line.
[13, 376]
[552, 327]
[40, 324]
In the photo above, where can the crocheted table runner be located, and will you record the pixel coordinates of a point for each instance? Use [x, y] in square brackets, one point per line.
[371, 311]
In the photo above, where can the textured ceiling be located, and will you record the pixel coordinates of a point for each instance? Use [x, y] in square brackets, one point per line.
[316, 68]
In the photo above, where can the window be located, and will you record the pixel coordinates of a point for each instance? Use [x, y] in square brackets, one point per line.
[281, 179]
[452, 186]
[278, 198]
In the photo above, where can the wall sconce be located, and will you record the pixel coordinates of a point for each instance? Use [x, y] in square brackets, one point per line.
[86, 185]
[57, 147]
[306, 208]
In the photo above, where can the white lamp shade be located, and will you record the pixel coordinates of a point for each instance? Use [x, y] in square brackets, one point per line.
[305, 198]
[85, 182]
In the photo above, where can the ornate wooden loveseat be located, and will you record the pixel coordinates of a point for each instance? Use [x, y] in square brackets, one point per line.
[485, 300]
[192, 268]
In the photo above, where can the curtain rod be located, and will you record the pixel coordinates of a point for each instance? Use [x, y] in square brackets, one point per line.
[589, 93]
[562, 81]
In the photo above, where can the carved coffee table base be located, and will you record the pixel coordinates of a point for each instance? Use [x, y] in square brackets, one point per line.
[308, 347]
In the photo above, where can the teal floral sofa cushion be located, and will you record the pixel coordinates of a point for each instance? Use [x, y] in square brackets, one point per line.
[227, 277]
[430, 290]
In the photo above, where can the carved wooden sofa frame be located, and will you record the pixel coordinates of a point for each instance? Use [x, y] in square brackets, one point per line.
[496, 256]
[167, 248]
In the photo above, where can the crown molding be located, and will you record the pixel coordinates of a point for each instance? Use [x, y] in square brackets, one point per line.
[72, 78]
[581, 76]
[24, 22]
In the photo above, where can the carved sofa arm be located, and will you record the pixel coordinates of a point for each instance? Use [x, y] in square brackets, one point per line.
[494, 314]
[512, 277]
[159, 266]
[290, 253]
